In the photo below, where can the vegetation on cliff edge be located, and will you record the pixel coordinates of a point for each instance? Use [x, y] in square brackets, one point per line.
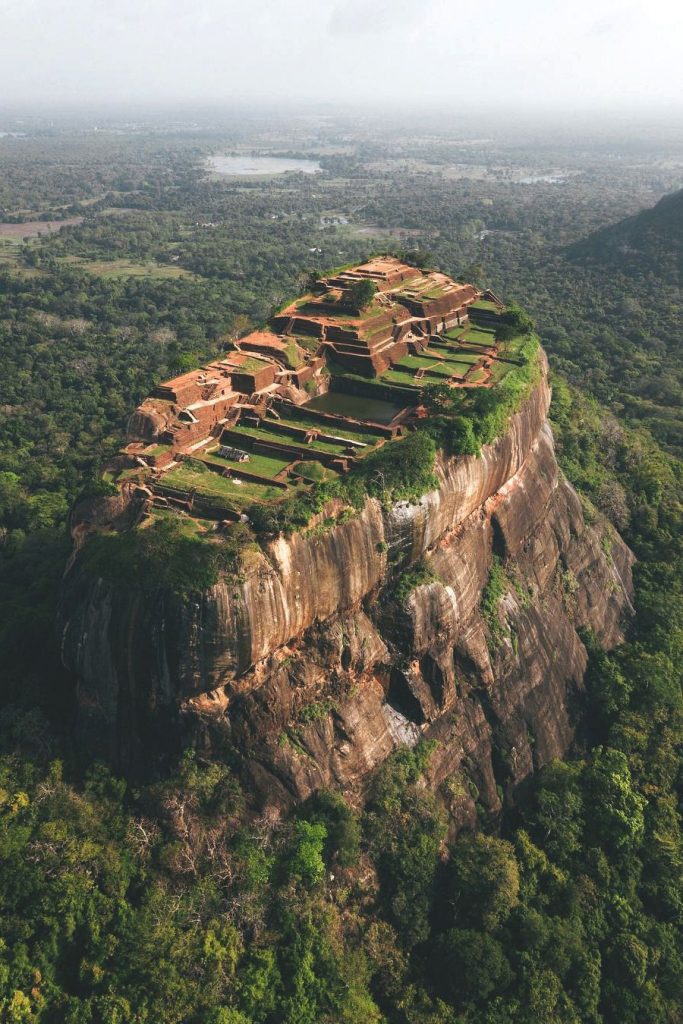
[164, 556]
[462, 420]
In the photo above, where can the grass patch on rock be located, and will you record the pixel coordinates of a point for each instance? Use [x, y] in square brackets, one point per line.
[418, 575]
[165, 556]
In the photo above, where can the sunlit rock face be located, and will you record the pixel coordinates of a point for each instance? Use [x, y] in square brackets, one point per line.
[309, 671]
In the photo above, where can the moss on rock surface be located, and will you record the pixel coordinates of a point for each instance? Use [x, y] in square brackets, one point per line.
[166, 555]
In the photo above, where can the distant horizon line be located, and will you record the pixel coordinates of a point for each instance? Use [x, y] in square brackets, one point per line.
[51, 108]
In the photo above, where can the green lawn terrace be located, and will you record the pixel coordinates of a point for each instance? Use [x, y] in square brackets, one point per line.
[192, 488]
[462, 357]
[486, 310]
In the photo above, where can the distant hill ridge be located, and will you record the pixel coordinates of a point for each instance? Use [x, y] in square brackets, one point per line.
[653, 237]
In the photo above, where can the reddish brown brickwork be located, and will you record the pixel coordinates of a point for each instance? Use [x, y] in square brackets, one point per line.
[283, 363]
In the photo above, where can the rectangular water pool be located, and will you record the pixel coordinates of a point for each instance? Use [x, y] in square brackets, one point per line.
[374, 410]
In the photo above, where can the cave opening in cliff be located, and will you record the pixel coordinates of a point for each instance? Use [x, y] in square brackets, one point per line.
[499, 545]
[402, 699]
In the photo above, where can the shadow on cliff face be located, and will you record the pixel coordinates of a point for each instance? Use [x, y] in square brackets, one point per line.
[38, 693]
[402, 699]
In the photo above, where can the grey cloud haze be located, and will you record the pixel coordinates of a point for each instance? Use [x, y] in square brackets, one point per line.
[532, 52]
[357, 17]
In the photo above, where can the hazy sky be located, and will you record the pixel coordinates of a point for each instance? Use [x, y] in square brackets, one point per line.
[584, 53]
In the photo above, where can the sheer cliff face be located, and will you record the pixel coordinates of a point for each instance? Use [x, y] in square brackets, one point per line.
[312, 672]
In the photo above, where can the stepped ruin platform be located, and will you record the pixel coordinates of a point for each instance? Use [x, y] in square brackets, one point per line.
[333, 376]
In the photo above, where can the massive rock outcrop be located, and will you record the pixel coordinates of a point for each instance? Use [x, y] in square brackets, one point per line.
[313, 667]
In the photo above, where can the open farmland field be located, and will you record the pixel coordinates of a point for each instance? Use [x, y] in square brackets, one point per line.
[128, 268]
[34, 228]
[10, 253]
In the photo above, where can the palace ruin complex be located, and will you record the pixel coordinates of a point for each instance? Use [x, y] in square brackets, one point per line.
[335, 374]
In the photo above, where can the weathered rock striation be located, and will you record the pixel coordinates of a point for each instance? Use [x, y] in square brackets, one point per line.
[309, 670]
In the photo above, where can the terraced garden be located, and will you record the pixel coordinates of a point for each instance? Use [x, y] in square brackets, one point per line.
[313, 471]
[227, 486]
[268, 466]
[440, 360]
[403, 377]
[238, 434]
[298, 419]
[478, 336]
[471, 336]
[477, 377]
[230, 492]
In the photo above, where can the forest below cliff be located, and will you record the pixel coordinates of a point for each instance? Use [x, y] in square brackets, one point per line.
[171, 901]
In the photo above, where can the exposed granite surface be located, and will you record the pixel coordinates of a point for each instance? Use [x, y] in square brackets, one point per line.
[312, 673]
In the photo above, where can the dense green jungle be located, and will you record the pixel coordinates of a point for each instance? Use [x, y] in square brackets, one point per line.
[174, 901]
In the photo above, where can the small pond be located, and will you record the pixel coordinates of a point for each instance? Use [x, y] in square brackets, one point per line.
[246, 166]
[375, 410]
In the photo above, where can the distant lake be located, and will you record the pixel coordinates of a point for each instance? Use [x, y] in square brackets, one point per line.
[246, 166]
